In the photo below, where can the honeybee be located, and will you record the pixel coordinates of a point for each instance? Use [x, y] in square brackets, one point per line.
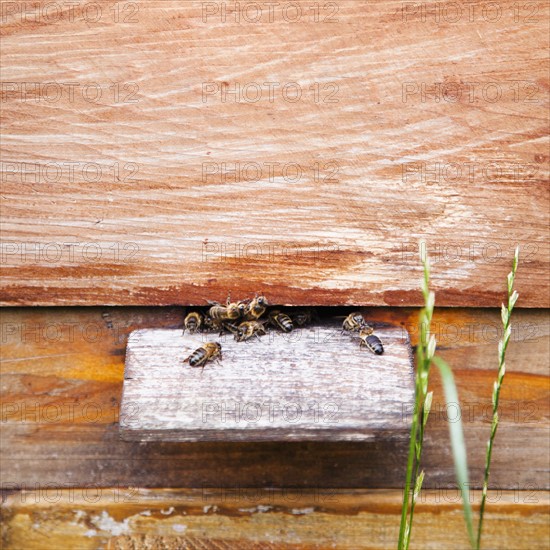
[370, 340]
[353, 322]
[301, 317]
[207, 352]
[247, 329]
[211, 324]
[256, 308]
[281, 320]
[229, 312]
[193, 322]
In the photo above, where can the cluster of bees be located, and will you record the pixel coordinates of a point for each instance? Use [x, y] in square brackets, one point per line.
[250, 318]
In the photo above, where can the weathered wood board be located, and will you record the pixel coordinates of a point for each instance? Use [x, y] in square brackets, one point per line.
[244, 518]
[62, 373]
[164, 152]
[314, 384]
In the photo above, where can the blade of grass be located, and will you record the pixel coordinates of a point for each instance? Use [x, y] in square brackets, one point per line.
[425, 355]
[424, 352]
[502, 346]
[405, 527]
[457, 444]
[419, 478]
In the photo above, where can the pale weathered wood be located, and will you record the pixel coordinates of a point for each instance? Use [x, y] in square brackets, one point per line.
[313, 384]
[61, 392]
[250, 519]
[378, 146]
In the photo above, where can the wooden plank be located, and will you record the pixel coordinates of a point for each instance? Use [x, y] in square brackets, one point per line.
[314, 384]
[62, 376]
[252, 519]
[411, 124]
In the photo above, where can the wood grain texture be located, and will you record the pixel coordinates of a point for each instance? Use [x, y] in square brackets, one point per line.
[410, 125]
[314, 384]
[62, 375]
[122, 519]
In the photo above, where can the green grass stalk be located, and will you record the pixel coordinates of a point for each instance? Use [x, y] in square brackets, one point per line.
[425, 351]
[506, 314]
[423, 401]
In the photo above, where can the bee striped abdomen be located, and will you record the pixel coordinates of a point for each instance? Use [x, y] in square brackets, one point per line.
[221, 313]
[193, 322]
[374, 344]
[281, 321]
[198, 357]
[210, 350]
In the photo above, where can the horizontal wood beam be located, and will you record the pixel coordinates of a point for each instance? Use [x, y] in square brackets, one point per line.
[164, 178]
[118, 518]
[62, 374]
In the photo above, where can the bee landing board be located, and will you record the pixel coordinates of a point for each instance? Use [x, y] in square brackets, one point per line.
[313, 384]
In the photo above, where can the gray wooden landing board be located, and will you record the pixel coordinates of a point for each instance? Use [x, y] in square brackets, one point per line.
[313, 384]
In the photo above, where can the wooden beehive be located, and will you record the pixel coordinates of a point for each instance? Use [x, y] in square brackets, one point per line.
[162, 153]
